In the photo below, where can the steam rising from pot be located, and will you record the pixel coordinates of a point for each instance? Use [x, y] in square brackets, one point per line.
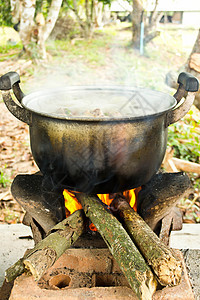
[98, 102]
[117, 70]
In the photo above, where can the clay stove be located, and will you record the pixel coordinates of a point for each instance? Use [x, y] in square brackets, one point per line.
[156, 201]
[88, 268]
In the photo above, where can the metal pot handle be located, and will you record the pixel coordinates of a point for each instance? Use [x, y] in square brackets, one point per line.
[10, 81]
[188, 85]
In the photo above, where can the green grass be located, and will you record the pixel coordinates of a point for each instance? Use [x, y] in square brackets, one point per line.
[10, 44]
[4, 180]
[110, 49]
[185, 140]
[90, 51]
[10, 51]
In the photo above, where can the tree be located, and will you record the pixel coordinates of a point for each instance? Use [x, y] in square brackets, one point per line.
[34, 27]
[139, 15]
[87, 13]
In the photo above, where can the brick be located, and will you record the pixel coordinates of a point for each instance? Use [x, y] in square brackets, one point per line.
[25, 288]
[98, 260]
[86, 260]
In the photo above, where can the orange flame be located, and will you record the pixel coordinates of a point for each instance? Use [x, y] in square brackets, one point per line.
[105, 198]
[72, 204]
[130, 195]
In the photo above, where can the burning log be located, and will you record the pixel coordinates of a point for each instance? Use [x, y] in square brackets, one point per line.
[129, 259]
[165, 265]
[47, 251]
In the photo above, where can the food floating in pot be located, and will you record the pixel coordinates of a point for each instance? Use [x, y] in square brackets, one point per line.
[96, 102]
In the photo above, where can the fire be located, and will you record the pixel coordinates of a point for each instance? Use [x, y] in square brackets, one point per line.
[72, 204]
[130, 195]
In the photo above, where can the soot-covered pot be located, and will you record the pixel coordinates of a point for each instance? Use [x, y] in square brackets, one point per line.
[98, 139]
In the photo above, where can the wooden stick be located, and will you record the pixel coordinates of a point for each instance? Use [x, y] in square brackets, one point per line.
[172, 166]
[167, 268]
[47, 251]
[186, 166]
[129, 259]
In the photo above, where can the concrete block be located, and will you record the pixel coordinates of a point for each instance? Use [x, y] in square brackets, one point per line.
[187, 238]
[15, 240]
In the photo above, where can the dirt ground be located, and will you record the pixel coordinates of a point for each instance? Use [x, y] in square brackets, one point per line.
[15, 158]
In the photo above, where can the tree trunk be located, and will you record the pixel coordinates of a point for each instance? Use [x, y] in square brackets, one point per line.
[136, 22]
[86, 24]
[196, 47]
[44, 31]
[34, 33]
[27, 24]
[98, 13]
[16, 7]
[150, 26]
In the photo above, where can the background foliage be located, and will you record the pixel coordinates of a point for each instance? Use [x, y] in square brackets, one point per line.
[5, 13]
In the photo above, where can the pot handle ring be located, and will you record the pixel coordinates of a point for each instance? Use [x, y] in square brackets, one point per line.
[10, 81]
[188, 85]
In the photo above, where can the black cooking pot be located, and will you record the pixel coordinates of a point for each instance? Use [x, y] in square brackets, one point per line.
[98, 140]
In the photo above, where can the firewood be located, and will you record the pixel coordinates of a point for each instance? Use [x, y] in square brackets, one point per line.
[165, 265]
[129, 259]
[186, 166]
[47, 251]
[173, 164]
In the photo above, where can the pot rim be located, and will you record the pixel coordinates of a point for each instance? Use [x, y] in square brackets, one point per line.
[34, 95]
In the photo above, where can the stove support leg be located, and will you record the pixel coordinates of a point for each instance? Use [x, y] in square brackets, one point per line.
[172, 221]
[159, 196]
[45, 209]
[37, 231]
